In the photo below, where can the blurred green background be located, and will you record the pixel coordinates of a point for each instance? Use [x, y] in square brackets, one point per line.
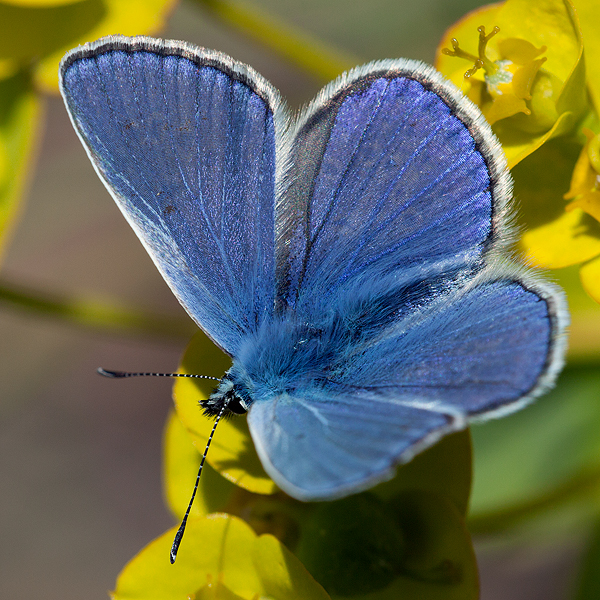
[81, 456]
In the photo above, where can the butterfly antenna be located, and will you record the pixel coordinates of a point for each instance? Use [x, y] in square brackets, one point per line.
[180, 531]
[119, 374]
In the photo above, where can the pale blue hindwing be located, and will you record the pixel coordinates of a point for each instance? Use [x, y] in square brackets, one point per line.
[354, 264]
[184, 139]
[482, 349]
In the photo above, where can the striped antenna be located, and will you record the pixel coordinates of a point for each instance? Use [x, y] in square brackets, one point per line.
[119, 374]
[180, 531]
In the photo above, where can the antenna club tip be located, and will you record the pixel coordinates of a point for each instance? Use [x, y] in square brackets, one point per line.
[106, 373]
[172, 557]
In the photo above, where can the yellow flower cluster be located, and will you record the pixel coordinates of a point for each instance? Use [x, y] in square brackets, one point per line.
[532, 83]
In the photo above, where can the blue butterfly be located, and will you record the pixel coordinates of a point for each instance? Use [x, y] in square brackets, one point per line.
[353, 261]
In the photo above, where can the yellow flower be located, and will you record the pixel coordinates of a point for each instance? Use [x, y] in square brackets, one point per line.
[531, 82]
[585, 182]
[506, 87]
[528, 75]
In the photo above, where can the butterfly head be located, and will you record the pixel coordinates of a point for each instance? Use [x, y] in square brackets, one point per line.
[232, 395]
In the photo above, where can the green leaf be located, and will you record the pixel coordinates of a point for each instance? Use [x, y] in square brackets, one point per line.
[590, 278]
[181, 463]
[353, 546]
[519, 144]
[222, 554]
[358, 543]
[20, 114]
[541, 457]
[232, 451]
[413, 546]
[440, 561]
[445, 468]
[278, 515]
[589, 20]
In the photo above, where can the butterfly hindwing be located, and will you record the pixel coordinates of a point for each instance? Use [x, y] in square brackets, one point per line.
[184, 139]
[478, 349]
[484, 349]
[319, 444]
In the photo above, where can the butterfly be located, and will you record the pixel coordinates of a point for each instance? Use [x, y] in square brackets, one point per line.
[353, 260]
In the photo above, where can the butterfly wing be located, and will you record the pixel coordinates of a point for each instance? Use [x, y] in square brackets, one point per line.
[482, 349]
[395, 177]
[479, 351]
[184, 139]
[321, 445]
[390, 244]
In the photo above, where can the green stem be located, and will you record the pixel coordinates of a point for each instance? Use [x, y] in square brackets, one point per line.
[580, 485]
[315, 57]
[95, 314]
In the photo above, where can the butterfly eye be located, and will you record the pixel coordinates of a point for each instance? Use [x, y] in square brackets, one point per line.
[237, 406]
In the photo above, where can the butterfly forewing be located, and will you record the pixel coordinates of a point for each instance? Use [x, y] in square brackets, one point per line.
[184, 139]
[390, 185]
